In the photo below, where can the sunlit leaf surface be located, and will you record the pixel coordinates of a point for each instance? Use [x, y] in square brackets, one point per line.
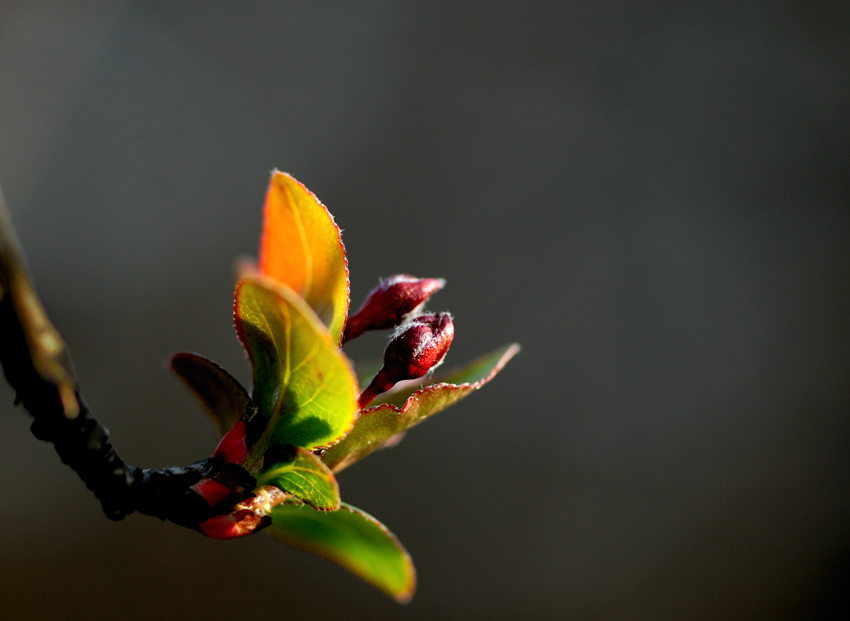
[304, 389]
[302, 248]
[351, 538]
[300, 473]
[380, 423]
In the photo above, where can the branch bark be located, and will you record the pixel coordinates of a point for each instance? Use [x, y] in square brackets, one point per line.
[37, 365]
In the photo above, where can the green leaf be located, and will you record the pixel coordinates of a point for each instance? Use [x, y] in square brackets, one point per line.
[301, 247]
[479, 371]
[351, 538]
[299, 472]
[304, 389]
[379, 424]
[223, 398]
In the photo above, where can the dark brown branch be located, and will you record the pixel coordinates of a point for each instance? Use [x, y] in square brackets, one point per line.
[37, 366]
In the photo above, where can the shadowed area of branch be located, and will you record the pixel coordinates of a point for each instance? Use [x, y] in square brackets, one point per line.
[37, 366]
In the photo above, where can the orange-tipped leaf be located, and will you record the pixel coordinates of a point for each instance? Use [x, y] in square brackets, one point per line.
[301, 247]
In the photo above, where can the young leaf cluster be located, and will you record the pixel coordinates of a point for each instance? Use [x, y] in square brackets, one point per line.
[305, 417]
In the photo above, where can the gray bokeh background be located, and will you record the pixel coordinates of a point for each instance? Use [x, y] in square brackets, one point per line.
[652, 200]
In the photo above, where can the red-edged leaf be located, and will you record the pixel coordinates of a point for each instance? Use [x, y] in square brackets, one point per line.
[304, 389]
[223, 398]
[301, 247]
[351, 538]
[377, 425]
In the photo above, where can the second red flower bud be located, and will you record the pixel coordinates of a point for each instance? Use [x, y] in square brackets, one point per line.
[416, 347]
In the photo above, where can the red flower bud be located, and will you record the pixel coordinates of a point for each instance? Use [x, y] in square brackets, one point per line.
[416, 347]
[388, 304]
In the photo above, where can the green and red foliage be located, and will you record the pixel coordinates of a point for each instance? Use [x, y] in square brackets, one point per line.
[305, 417]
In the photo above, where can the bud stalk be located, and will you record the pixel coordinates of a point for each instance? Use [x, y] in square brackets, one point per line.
[416, 347]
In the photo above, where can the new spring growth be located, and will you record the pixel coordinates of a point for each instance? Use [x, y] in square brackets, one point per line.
[303, 412]
[415, 348]
[246, 517]
[390, 303]
[232, 449]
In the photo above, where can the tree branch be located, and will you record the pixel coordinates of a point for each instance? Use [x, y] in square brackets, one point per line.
[37, 366]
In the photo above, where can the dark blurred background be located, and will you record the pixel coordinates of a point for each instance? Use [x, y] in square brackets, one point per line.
[651, 199]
